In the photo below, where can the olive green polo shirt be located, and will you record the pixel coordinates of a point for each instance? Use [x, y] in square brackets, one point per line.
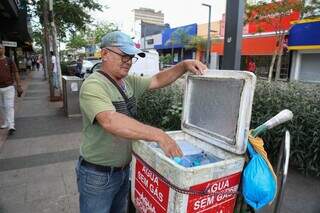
[98, 94]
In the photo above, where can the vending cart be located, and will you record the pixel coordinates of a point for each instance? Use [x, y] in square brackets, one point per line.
[215, 123]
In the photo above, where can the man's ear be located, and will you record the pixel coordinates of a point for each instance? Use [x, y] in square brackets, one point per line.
[104, 52]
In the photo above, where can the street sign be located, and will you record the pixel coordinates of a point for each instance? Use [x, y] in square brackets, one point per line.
[9, 43]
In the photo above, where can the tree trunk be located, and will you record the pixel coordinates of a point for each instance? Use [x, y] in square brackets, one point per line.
[280, 52]
[271, 67]
[182, 54]
[278, 70]
[47, 48]
[56, 53]
[172, 56]
[44, 59]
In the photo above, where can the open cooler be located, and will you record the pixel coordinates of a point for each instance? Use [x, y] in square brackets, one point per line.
[215, 121]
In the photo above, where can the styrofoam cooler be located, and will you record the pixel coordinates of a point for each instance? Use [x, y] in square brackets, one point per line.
[216, 118]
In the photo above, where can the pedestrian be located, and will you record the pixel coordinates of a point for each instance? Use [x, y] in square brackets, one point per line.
[29, 64]
[251, 66]
[55, 75]
[8, 75]
[108, 104]
[79, 67]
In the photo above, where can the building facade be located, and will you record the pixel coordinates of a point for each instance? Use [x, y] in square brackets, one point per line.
[149, 16]
[15, 30]
[173, 42]
[304, 43]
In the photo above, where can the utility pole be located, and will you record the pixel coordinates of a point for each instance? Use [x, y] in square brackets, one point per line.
[209, 36]
[233, 35]
[48, 65]
[54, 44]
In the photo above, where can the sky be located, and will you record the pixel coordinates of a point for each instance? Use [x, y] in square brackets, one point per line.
[176, 12]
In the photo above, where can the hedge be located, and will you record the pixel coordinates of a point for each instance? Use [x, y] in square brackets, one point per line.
[163, 109]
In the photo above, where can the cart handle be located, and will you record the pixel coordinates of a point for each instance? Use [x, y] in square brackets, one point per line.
[282, 117]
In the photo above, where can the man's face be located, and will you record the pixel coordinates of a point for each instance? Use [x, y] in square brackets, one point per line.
[116, 62]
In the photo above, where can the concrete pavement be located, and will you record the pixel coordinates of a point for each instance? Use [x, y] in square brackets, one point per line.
[37, 162]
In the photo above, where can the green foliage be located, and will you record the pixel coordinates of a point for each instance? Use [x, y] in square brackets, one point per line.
[271, 13]
[163, 109]
[77, 41]
[166, 59]
[103, 29]
[70, 15]
[197, 42]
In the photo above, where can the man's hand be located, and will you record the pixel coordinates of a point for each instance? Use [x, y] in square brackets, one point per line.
[19, 91]
[195, 66]
[169, 146]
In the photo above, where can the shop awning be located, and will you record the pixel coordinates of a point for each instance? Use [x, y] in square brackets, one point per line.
[251, 46]
[305, 34]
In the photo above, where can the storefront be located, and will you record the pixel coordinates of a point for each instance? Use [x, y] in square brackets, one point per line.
[304, 42]
[174, 42]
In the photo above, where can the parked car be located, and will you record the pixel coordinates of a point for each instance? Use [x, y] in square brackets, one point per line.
[94, 68]
[87, 65]
[147, 66]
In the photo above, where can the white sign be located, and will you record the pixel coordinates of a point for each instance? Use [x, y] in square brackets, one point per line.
[9, 43]
[74, 87]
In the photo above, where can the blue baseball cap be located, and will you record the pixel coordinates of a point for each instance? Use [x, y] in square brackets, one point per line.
[122, 41]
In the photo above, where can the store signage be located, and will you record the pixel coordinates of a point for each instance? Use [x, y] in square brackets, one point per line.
[9, 43]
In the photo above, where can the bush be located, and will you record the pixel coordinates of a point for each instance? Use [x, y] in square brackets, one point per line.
[163, 109]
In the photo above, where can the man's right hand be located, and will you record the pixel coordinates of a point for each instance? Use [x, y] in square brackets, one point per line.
[169, 146]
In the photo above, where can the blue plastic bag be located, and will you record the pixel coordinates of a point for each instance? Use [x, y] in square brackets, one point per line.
[258, 183]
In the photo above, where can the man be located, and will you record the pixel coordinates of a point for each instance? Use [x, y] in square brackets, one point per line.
[79, 67]
[109, 127]
[8, 75]
[55, 75]
[251, 66]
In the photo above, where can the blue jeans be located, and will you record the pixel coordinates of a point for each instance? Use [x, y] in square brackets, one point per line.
[102, 192]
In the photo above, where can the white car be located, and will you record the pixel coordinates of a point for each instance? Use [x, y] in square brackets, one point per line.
[87, 65]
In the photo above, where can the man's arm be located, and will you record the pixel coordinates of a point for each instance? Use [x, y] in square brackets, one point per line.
[166, 77]
[17, 78]
[123, 126]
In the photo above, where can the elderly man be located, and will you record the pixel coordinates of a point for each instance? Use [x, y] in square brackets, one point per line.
[108, 105]
[8, 75]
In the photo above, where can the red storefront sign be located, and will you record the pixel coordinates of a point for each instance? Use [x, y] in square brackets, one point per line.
[222, 202]
[151, 193]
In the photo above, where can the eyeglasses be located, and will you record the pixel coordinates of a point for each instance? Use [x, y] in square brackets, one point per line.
[125, 58]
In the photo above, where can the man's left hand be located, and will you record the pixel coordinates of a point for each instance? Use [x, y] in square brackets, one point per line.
[19, 91]
[195, 66]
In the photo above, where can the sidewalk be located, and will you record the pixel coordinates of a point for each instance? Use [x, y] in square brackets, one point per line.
[37, 162]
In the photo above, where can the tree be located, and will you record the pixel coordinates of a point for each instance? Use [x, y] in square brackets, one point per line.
[102, 29]
[272, 14]
[77, 41]
[179, 36]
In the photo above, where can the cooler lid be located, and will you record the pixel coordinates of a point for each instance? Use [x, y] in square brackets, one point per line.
[217, 108]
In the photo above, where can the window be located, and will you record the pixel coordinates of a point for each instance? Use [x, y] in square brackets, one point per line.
[150, 41]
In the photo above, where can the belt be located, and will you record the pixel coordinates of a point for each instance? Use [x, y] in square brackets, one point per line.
[100, 168]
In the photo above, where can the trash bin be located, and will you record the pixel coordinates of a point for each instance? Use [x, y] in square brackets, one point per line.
[215, 120]
[71, 88]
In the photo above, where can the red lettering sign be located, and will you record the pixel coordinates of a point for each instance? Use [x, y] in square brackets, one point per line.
[222, 202]
[151, 193]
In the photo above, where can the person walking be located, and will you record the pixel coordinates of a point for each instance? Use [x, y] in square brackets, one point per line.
[108, 105]
[8, 75]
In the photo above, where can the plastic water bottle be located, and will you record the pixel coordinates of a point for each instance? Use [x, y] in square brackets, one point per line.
[195, 160]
